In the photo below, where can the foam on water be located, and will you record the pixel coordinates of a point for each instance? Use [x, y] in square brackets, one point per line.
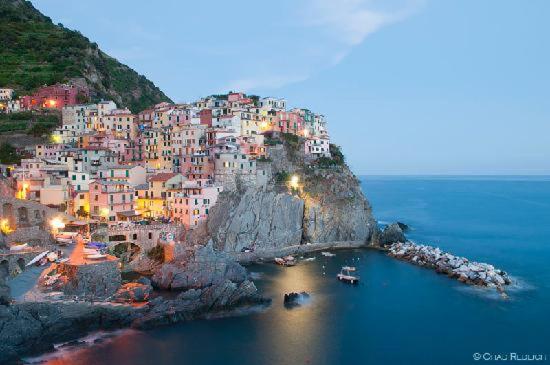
[64, 349]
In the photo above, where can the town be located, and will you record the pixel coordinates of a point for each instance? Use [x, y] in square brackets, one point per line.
[166, 163]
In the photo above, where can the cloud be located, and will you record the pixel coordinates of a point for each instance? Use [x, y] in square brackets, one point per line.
[351, 21]
[319, 35]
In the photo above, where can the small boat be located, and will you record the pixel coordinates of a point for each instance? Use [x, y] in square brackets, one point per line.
[90, 251]
[52, 256]
[64, 241]
[309, 259]
[346, 276]
[349, 268]
[37, 258]
[19, 247]
[285, 261]
[289, 260]
[328, 254]
[96, 256]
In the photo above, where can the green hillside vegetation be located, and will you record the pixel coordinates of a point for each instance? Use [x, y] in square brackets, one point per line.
[36, 52]
[33, 124]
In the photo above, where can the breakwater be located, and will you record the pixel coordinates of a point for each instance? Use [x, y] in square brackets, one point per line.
[460, 268]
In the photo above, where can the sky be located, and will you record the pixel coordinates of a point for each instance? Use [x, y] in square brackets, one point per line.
[409, 87]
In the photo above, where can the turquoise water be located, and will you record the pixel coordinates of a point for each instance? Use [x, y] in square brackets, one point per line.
[400, 313]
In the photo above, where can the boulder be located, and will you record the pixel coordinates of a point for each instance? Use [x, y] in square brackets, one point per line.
[133, 292]
[198, 268]
[391, 234]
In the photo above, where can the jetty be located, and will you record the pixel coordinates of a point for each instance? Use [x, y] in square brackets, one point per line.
[460, 268]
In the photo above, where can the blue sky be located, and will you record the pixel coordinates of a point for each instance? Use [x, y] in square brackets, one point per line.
[408, 86]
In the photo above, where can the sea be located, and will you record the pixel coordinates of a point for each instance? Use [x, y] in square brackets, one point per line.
[399, 313]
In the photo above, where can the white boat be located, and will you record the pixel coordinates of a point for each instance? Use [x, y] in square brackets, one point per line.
[19, 247]
[37, 258]
[328, 254]
[349, 268]
[90, 251]
[64, 241]
[345, 275]
[279, 261]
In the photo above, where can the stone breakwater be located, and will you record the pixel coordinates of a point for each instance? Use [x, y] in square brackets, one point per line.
[461, 268]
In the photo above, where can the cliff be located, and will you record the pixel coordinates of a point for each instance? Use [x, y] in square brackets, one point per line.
[35, 52]
[328, 206]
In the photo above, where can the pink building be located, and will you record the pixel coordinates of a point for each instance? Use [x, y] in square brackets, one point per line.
[192, 205]
[289, 122]
[206, 117]
[198, 165]
[110, 200]
[54, 96]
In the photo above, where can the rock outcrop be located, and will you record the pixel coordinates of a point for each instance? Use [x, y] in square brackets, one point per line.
[392, 233]
[256, 218]
[198, 268]
[329, 206]
[133, 292]
[35, 327]
[196, 303]
[98, 280]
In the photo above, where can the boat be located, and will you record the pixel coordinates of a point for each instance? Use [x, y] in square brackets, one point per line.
[90, 251]
[285, 261]
[346, 276]
[64, 241]
[52, 256]
[349, 268]
[37, 258]
[289, 260]
[328, 254]
[19, 247]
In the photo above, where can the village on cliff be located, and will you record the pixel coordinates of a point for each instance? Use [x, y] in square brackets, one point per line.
[122, 185]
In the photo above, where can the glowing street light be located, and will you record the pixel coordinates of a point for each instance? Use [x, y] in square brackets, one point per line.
[57, 224]
[56, 138]
[294, 180]
[51, 103]
[5, 226]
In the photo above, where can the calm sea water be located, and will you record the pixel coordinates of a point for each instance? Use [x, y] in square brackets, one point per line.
[399, 314]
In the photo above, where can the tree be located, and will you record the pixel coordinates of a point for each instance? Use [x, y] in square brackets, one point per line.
[8, 154]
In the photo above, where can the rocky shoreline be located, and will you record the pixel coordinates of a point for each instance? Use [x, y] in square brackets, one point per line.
[460, 268]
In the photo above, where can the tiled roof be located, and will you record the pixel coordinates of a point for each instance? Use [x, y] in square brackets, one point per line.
[163, 176]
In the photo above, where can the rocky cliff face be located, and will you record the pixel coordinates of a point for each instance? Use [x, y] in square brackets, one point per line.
[256, 218]
[329, 206]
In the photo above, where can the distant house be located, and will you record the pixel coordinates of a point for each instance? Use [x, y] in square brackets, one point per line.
[317, 146]
[6, 94]
[54, 96]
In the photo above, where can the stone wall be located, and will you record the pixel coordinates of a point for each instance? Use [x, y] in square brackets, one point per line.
[26, 213]
[34, 235]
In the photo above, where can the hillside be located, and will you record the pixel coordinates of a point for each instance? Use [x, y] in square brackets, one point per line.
[34, 52]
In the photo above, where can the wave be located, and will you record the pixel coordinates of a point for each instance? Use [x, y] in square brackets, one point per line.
[63, 349]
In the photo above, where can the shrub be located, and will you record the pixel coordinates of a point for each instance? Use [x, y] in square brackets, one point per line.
[156, 253]
[8, 154]
[282, 176]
